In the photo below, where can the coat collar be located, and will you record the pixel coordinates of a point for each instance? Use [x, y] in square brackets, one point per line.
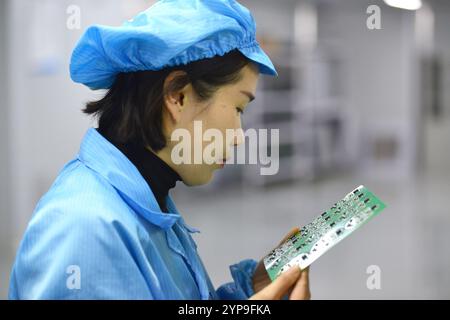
[100, 155]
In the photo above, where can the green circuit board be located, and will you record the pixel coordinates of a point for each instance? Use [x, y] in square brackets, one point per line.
[324, 232]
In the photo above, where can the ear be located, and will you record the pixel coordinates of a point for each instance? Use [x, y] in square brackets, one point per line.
[175, 100]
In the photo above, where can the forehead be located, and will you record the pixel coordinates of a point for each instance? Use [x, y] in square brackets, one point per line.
[250, 72]
[249, 79]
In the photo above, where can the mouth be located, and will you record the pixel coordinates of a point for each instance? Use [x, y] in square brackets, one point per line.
[222, 162]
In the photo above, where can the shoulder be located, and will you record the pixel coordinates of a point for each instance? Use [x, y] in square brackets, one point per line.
[83, 222]
[80, 211]
[80, 195]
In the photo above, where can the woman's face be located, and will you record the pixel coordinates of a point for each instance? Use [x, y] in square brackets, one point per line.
[183, 114]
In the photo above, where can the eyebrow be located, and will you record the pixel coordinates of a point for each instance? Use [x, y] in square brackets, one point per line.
[250, 96]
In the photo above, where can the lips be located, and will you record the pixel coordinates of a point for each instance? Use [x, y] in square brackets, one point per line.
[222, 161]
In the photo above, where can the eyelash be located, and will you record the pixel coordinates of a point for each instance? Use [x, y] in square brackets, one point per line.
[239, 110]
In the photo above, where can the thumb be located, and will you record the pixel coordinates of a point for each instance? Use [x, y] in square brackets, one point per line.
[290, 234]
[278, 288]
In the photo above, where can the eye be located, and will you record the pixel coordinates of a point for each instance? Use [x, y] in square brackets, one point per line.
[239, 110]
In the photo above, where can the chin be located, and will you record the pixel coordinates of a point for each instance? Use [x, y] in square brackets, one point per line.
[198, 180]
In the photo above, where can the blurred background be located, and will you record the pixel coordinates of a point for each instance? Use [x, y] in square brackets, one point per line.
[357, 101]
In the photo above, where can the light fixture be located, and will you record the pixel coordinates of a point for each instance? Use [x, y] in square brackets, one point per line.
[405, 4]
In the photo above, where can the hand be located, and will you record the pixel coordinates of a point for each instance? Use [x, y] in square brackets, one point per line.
[266, 289]
[293, 282]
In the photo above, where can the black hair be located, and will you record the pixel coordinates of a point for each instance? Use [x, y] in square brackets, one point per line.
[131, 110]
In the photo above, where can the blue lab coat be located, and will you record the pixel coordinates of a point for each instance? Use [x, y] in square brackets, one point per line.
[98, 233]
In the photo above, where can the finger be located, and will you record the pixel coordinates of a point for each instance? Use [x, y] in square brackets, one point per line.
[290, 234]
[281, 285]
[301, 289]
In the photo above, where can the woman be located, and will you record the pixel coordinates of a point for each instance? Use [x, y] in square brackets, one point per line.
[107, 228]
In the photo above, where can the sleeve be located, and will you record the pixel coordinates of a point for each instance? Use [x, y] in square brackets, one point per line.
[76, 256]
[242, 286]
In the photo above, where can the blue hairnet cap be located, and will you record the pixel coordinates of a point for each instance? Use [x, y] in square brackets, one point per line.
[169, 33]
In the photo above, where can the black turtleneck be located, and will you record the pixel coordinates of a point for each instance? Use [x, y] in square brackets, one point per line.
[158, 175]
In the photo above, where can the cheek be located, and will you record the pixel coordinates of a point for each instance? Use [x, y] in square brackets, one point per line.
[223, 117]
[219, 117]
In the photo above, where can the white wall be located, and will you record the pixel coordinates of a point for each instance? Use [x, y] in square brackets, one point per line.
[381, 75]
[5, 214]
[437, 130]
